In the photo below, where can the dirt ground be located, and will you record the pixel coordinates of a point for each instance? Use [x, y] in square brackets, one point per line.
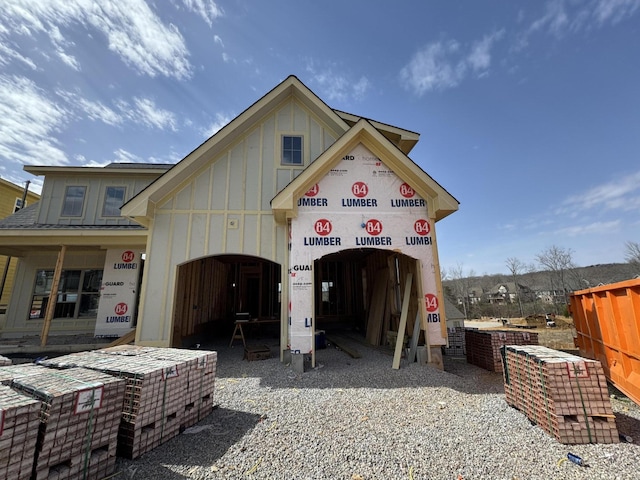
[559, 337]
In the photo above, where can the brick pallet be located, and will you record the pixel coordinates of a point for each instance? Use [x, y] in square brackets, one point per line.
[483, 346]
[19, 421]
[456, 337]
[200, 371]
[153, 399]
[79, 420]
[564, 394]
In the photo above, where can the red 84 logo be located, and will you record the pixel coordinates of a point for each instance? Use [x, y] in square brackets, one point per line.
[431, 302]
[128, 256]
[322, 227]
[422, 227]
[121, 309]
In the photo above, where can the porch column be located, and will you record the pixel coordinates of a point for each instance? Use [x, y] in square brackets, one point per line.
[53, 297]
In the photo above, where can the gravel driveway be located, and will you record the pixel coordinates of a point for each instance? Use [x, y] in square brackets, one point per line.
[358, 419]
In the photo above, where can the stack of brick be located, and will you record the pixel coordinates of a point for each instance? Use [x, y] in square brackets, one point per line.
[456, 337]
[79, 419]
[153, 398]
[4, 361]
[19, 421]
[200, 371]
[483, 346]
[564, 394]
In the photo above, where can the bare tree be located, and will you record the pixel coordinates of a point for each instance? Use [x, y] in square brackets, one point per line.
[558, 262]
[461, 286]
[632, 254]
[516, 267]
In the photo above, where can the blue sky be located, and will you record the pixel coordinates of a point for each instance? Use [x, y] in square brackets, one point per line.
[529, 112]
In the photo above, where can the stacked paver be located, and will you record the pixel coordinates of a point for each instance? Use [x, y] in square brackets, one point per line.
[166, 390]
[564, 394]
[19, 422]
[198, 368]
[79, 419]
[483, 346]
[456, 337]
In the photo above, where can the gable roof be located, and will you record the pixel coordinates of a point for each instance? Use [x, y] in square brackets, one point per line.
[141, 206]
[440, 202]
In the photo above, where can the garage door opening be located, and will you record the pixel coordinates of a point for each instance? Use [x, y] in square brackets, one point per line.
[212, 292]
[359, 292]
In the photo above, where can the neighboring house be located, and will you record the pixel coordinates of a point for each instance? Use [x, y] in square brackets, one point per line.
[508, 292]
[453, 317]
[475, 295]
[12, 199]
[291, 201]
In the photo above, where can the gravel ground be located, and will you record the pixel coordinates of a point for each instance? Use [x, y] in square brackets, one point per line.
[358, 419]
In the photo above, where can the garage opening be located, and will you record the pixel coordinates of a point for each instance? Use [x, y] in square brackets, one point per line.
[359, 292]
[212, 292]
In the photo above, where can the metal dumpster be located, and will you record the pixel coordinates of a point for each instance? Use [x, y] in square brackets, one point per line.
[607, 322]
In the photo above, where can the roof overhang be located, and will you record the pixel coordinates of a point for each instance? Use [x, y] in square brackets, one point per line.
[440, 202]
[20, 242]
[404, 139]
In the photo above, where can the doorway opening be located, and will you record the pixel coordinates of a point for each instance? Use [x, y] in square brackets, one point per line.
[211, 292]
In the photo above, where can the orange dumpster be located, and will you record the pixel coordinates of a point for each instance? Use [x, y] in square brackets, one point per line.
[607, 322]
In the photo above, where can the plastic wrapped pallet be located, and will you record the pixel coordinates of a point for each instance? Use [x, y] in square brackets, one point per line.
[200, 371]
[483, 346]
[10, 372]
[564, 394]
[79, 422]
[19, 421]
[153, 401]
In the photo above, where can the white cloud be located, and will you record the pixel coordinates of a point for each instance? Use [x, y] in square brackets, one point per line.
[7, 53]
[614, 10]
[620, 194]
[207, 9]
[147, 113]
[131, 29]
[220, 121]
[336, 86]
[28, 122]
[589, 229]
[562, 17]
[95, 111]
[218, 40]
[480, 57]
[437, 66]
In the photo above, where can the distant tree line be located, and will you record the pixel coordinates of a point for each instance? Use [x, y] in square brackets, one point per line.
[539, 288]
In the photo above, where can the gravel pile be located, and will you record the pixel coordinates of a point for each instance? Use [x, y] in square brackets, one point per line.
[358, 419]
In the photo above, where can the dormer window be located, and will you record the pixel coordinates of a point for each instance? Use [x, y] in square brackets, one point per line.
[113, 200]
[73, 201]
[292, 150]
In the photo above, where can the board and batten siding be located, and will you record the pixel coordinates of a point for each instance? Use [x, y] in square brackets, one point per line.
[54, 190]
[225, 208]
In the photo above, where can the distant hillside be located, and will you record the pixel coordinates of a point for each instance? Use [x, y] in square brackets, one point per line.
[578, 278]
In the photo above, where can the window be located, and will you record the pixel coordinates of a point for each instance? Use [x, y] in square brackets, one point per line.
[78, 293]
[113, 200]
[73, 201]
[18, 205]
[291, 150]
